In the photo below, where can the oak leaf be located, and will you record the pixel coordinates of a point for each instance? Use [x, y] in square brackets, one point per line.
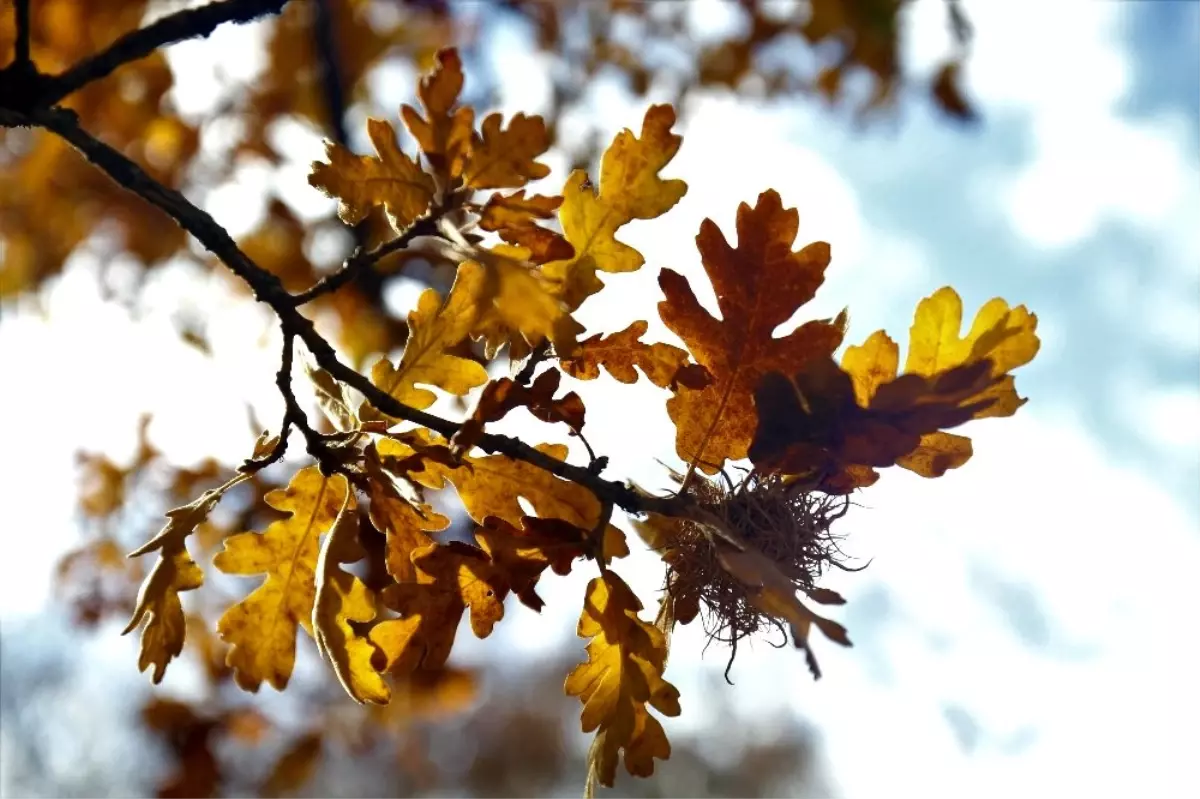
[261, 629]
[811, 425]
[518, 305]
[623, 674]
[445, 136]
[397, 509]
[630, 188]
[506, 159]
[342, 598]
[361, 183]
[503, 395]
[434, 327]
[450, 578]
[174, 572]
[664, 365]
[523, 554]
[514, 217]
[759, 286]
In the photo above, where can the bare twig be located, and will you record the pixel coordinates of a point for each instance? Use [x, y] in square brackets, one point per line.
[363, 260]
[21, 49]
[187, 24]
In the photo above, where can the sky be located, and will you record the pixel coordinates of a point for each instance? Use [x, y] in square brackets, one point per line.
[1023, 618]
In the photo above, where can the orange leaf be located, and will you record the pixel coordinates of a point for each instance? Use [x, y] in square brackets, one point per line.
[397, 509]
[759, 286]
[663, 364]
[513, 217]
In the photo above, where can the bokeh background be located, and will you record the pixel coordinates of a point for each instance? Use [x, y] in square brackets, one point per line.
[1023, 627]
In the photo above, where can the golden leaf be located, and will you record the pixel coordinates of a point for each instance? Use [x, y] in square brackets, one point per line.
[173, 572]
[663, 364]
[261, 629]
[445, 137]
[342, 598]
[506, 159]
[518, 305]
[630, 188]
[759, 286]
[361, 183]
[623, 673]
[433, 328]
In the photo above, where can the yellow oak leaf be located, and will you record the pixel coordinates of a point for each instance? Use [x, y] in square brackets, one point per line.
[759, 286]
[261, 629]
[506, 159]
[174, 572]
[664, 365]
[332, 399]
[623, 674]
[433, 328]
[445, 137]
[518, 305]
[450, 578]
[630, 188]
[361, 183]
[1006, 337]
[342, 598]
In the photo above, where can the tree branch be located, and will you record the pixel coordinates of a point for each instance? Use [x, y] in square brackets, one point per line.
[187, 24]
[268, 289]
[21, 57]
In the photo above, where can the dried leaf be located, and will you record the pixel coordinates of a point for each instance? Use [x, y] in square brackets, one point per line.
[623, 673]
[664, 365]
[261, 629]
[503, 395]
[445, 136]
[514, 218]
[434, 328]
[342, 598]
[506, 159]
[759, 286]
[332, 399]
[397, 509]
[295, 766]
[361, 183]
[173, 572]
[630, 188]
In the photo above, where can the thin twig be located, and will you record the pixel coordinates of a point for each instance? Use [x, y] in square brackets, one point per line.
[187, 24]
[362, 260]
[21, 49]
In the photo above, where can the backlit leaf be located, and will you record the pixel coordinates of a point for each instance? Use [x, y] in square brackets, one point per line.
[342, 598]
[507, 158]
[261, 629]
[623, 674]
[445, 135]
[664, 365]
[360, 183]
[630, 188]
[759, 286]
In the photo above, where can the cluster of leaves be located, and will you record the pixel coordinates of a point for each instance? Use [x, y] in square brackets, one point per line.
[523, 265]
[737, 392]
